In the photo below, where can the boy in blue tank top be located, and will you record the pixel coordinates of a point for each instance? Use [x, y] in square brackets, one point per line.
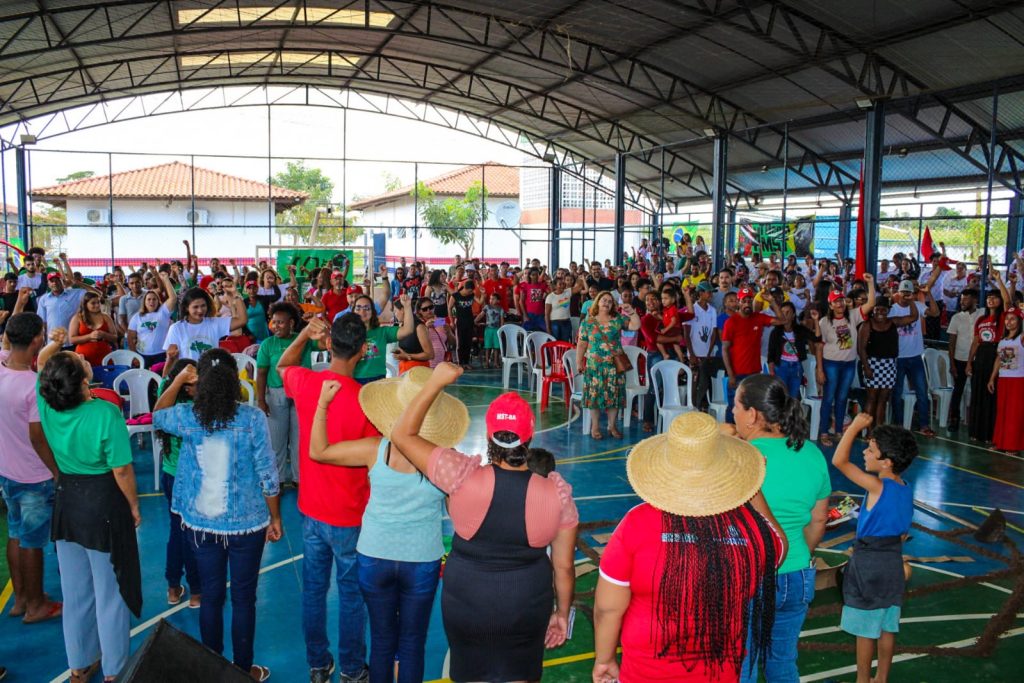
[873, 581]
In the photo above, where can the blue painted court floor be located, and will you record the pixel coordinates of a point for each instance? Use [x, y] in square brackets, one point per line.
[958, 478]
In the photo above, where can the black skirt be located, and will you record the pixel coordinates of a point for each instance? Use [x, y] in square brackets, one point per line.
[982, 422]
[873, 578]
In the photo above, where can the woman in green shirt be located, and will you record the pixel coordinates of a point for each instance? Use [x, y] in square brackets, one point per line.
[797, 487]
[179, 556]
[95, 512]
[373, 365]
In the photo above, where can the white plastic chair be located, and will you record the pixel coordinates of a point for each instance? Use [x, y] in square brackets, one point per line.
[940, 384]
[635, 389]
[669, 402]
[576, 382]
[574, 323]
[136, 382]
[320, 367]
[512, 340]
[812, 396]
[324, 356]
[123, 357]
[717, 405]
[535, 340]
[246, 364]
[390, 362]
[909, 404]
[248, 392]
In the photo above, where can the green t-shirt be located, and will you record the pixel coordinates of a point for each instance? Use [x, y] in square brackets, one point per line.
[271, 350]
[91, 438]
[374, 363]
[169, 459]
[794, 482]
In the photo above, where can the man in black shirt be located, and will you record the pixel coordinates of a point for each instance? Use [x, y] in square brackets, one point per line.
[9, 297]
[597, 278]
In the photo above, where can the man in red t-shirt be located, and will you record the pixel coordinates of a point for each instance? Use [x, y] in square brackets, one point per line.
[332, 499]
[741, 344]
[335, 300]
[497, 285]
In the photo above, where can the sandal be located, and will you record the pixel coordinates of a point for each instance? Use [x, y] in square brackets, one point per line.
[54, 611]
[928, 432]
[615, 433]
[259, 673]
[85, 675]
[596, 436]
[827, 440]
[175, 594]
[648, 427]
[195, 601]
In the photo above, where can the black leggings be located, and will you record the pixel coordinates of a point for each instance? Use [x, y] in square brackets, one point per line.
[464, 335]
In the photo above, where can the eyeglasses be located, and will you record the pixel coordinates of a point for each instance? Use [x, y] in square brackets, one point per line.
[360, 308]
[424, 309]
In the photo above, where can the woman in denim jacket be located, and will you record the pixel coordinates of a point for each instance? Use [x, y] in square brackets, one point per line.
[226, 493]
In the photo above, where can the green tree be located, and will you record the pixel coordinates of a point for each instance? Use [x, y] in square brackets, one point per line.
[298, 220]
[49, 227]
[452, 220]
[75, 175]
[391, 181]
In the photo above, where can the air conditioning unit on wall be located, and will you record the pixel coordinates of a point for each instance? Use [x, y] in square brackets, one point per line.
[197, 216]
[98, 216]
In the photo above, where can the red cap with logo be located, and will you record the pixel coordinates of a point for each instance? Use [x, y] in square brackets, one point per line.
[354, 289]
[746, 293]
[510, 413]
[835, 295]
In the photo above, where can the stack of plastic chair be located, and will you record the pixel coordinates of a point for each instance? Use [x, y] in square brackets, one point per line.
[553, 371]
[137, 383]
[534, 341]
[940, 385]
[668, 398]
[512, 340]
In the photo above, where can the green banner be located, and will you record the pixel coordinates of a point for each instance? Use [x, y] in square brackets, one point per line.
[306, 260]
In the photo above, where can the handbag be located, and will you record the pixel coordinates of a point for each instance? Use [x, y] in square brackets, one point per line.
[622, 362]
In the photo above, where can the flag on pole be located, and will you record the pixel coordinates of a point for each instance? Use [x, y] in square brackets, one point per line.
[861, 261]
[928, 248]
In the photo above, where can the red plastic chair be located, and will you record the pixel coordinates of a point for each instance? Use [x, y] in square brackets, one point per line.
[551, 354]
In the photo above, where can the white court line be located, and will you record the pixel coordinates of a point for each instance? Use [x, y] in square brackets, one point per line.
[967, 642]
[908, 620]
[149, 623]
[980, 448]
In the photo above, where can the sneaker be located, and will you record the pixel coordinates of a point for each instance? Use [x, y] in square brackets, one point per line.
[322, 674]
[362, 677]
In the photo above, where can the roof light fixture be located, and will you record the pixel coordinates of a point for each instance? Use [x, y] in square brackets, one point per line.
[325, 59]
[323, 16]
[864, 102]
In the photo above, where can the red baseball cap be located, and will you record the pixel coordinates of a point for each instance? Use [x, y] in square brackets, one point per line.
[746, 293]
[510, 413]
[354, 289]
[337, 274]
[53, 276]
[834, 295]
[204, 283]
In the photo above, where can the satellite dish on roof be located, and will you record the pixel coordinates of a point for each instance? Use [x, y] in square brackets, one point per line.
[507, 215]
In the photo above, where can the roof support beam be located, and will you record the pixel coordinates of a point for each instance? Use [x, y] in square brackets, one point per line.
[874, 140]
[719, 210]
[620, 206]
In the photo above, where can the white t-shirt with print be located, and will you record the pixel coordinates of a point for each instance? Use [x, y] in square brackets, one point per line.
[701, 327]
[192, 339]
[1011, 357]
[912, 335]
[151, 330]
[559, 304]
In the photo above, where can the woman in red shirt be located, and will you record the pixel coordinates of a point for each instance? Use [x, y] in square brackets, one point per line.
[688, 568]
[92, 331]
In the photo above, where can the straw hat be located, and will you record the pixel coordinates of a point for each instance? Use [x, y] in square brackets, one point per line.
[384, 400]
[693, 470]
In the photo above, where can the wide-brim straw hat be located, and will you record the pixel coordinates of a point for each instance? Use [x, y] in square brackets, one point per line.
[383, 401]
[694, 470]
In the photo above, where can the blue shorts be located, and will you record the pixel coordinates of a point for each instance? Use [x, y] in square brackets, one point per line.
[869, 623]
[29, 509]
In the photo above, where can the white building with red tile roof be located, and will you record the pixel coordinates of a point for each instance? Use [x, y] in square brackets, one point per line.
[394, 214]
[144, 214]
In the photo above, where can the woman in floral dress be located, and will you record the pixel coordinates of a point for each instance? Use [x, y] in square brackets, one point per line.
[600, 339]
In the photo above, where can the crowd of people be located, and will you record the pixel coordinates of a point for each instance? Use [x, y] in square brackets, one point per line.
[709, 578]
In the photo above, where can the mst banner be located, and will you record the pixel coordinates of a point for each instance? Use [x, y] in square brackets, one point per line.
[795, 237]
[305, 260]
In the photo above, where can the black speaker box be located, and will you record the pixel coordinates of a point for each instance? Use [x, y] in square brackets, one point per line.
[170, 656]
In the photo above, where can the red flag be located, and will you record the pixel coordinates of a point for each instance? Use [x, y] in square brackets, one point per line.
[861, 262]
[928, 248]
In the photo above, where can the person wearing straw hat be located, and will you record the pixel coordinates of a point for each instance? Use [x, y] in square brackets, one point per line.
[497, 595]
[399, 549]
[689, 569]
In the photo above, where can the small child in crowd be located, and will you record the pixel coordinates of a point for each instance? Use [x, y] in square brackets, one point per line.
[493, 317]
[873, 581]
[671, 325]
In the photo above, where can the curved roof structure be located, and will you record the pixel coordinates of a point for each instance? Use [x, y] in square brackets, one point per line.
[784, 80]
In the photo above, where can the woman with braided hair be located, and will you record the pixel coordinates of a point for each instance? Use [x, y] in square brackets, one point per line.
[689, 569]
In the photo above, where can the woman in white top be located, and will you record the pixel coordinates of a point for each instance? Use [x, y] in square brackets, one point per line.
[1008, 371]
[837, 357]
[147, 330]
[196, 332]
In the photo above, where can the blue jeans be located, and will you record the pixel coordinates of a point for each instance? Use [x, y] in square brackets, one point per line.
[730, 396]
[179, 551]
[323, 546]
[29, 509]
[838, 378]
[792, 373]
[534, 322]
[911, 369]
[399, 597]
[215, 553]
[794, 592]
[561, 330]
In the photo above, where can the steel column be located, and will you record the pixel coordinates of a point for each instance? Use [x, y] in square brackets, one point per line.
[22, 180]
[1015, 228]
[730, 240]
[620, 207]
[555, 213]
[719, 166]
[846, 226]
[874, 139]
